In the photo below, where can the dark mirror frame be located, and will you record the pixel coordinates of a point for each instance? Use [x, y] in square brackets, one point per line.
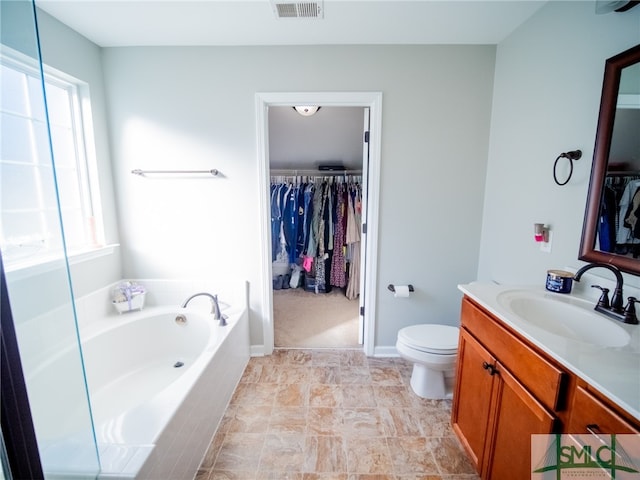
[612, 70]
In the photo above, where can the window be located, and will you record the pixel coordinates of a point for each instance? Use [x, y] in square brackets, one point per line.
[30, 219]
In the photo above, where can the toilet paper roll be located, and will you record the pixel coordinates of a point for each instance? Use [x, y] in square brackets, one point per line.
[401, 291]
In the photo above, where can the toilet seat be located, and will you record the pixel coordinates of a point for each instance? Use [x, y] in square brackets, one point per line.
[429, 338]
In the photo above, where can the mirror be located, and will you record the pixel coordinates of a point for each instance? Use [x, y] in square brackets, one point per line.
[611, 229]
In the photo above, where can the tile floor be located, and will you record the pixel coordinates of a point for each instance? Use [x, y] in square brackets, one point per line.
[333, 414]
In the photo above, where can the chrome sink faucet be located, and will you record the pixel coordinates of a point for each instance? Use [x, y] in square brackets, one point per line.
[215, 307]
[615, 308]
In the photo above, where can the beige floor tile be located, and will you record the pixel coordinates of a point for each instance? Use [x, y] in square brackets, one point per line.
[328, 375]
[280, 476]
[326, 358]
[292, 395]
[325, 454]
[411, 455]
[288, 420]
[354, 358]
[270, 373]
[232, 475]
[254, 394]
[252, 373]
[283, 453]
[240, 451]
[300, 357]
[333, 415]
[355, 375]
[325, 476]
[368, 455]
[418, 476]
[393, 396]
[363, 422]
[323, 395]
[249, 419]
[449, 456]
[325, 421]
[385, 375]
[358, 396]
[374, 476]
[402, 422]
[436, 423]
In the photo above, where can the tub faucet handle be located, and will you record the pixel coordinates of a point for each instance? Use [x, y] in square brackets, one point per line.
[603, 301]
[217, 314]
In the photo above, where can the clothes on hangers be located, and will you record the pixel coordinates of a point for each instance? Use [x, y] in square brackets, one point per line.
[619, 218]
[315, 224]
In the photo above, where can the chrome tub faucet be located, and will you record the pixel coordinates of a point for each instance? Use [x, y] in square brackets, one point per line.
[215, 307]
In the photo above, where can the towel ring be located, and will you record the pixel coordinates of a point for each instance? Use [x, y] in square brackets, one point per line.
[571, 156]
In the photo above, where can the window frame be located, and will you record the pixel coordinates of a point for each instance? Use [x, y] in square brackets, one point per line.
[85, 168]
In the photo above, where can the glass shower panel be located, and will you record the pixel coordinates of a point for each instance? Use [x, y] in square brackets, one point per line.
[39, 287]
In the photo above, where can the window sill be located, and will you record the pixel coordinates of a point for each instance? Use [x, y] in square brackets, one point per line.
[24, 270]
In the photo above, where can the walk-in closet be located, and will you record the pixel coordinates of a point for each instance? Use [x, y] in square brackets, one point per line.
[317, 197]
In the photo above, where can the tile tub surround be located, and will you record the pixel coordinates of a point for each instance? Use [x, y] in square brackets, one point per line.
[333, 414]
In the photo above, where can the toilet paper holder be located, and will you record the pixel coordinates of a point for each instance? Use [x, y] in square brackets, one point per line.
[392, 288]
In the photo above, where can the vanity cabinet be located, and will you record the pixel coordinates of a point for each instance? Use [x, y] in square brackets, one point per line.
[494, 414]
[507, 390]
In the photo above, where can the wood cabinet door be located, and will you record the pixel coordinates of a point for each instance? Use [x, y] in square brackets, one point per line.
[515, 416]
[472, 396]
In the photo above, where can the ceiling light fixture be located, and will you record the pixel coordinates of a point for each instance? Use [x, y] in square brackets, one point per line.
[306, 110]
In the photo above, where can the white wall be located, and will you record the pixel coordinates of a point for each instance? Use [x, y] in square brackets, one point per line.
[194, 107]
[547, 90]
[334, 135]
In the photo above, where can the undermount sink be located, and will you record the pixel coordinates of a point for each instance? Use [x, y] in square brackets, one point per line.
[565, 316]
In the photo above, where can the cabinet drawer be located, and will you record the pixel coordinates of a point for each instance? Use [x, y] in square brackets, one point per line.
[539, 376]
[587, 410]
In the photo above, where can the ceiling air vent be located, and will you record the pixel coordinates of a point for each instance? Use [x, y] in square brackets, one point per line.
[297, 9]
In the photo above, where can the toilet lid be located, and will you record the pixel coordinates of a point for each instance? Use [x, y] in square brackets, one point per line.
[441, 339]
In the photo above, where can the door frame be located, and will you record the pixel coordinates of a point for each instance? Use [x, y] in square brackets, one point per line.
[372, 100]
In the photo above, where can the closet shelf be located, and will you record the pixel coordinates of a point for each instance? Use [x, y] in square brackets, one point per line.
[314, 173]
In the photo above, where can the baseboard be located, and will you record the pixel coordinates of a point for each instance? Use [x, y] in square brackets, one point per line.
[257, 351]
[385, 352]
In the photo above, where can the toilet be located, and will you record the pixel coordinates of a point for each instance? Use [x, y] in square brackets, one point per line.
[432, 349]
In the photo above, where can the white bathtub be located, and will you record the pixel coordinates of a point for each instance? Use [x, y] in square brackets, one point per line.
[158, 390]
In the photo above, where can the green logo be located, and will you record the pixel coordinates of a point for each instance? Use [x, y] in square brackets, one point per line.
[585, 456]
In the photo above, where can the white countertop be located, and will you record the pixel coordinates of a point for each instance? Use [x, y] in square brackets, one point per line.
[614, 371]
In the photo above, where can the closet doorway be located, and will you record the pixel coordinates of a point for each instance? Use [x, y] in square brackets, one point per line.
[317, 189]
[319, 267]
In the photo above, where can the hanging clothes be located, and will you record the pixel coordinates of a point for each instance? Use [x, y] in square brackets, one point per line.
[338, 265]
[618, 227]
[315, 226]
[626, 214]
[354, 209]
